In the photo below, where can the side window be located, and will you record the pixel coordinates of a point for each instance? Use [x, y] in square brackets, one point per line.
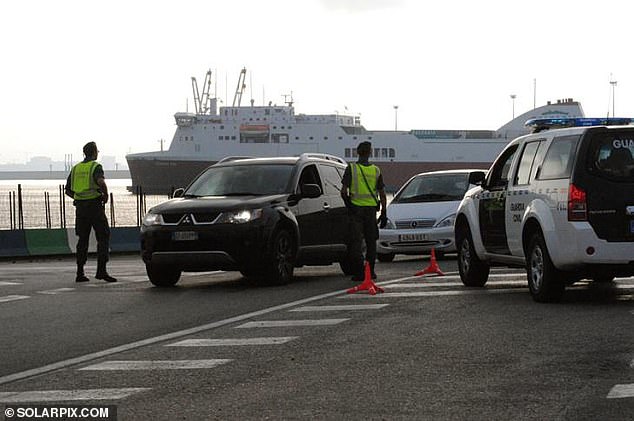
[559, 158]
[310, 176]
[332, 179]
[498, 177]
[527, 159]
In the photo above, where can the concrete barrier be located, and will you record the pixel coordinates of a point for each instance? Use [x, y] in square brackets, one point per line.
[13, 244]
[49, 242]
[46, 242]
[125, 239]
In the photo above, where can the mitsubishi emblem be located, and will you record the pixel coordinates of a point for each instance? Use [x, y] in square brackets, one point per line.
[187, 220]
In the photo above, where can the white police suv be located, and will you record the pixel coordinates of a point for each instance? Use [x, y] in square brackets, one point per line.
[559, 201]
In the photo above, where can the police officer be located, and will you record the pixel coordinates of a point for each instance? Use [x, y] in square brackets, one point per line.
[362, 183]
[87, 186]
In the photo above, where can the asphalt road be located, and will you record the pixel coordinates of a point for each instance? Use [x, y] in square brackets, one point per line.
[218, 347]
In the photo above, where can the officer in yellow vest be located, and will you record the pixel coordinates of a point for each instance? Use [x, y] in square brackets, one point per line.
[87, 186]
[363, 191]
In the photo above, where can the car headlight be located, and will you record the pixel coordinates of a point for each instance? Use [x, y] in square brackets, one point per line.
[239, 217]
[447, 222]
[152, 219]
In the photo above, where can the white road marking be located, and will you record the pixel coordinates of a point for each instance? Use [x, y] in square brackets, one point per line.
[522, 282]
[156, 365]
[342, 307]
[8, 298]
[3, 283]
[56, 291]
[622, 391]
[434, 293]
[169, 336]
[291, 323]
[69, 395]
[235, 341]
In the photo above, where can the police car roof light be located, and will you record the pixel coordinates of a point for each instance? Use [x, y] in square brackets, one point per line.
[539, 124]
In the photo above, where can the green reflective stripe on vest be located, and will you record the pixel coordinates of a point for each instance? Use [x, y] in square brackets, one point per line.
[360, 195]
[82, 182]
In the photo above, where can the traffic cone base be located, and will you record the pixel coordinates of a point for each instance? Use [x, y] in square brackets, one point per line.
[367, 284]
[432, 268]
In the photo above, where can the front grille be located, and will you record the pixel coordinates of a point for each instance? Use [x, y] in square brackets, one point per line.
[415, 223]
[172, 218]
[205, 218]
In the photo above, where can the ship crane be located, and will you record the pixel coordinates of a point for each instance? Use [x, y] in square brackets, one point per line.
[202, 102]
[237, 98]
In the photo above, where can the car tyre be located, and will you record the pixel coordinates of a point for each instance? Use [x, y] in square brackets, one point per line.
[545, 281]
[385, 257]
[280, 263]
[473, 271]
[162, 275]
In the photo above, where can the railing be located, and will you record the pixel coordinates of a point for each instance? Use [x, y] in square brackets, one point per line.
[21, 209]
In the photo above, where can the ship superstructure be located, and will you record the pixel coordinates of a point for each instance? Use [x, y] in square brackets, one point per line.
[212, 133]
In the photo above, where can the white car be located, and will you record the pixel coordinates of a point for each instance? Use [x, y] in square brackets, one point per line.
[559, 202]
[421, 215]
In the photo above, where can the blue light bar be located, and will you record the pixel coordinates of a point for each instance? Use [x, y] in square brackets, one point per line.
[549, 123]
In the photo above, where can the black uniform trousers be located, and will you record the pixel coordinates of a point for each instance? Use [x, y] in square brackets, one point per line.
[91, 214]
[363, 227]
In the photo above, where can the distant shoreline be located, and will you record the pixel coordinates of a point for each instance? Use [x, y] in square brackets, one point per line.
[55, 175]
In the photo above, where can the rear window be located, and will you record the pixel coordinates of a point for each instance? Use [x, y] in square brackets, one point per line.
[610, 155]
[434, 188]
[559, 158]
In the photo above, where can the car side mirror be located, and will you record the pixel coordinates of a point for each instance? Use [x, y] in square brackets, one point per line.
[178, 192]
[477, 178]
[310, 191]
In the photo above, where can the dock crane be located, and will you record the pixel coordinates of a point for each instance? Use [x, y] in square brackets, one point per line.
[202, 102]
[237, 98]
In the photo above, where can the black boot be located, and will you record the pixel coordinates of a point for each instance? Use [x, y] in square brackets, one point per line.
[103, 274]
[80, 275]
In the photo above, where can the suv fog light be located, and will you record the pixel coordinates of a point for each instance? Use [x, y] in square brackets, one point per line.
[590, 251]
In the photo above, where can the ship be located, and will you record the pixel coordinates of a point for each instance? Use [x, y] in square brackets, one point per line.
[212, 133]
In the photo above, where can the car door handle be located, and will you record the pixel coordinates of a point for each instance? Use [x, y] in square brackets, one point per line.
[326, 206]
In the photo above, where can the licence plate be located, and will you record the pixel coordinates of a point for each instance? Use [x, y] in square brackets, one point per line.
[184, 236]
[412, 237]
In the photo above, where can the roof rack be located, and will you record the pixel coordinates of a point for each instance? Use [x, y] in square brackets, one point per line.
[325, 156]
[233, 158]
[540, 124]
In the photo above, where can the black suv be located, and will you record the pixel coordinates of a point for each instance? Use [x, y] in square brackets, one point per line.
[261, 216]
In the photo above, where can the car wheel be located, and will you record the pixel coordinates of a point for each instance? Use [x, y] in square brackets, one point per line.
[162, 275]
[280, 263]
[545, 281]
[473, 271]
[385, 257]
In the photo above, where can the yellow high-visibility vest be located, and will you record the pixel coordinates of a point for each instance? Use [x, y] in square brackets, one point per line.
[82, 181]
[360, 194]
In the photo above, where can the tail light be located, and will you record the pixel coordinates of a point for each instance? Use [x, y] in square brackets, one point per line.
[577, 205]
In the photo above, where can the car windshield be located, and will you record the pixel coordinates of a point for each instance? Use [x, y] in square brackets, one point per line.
[242, 180]
[434, 188]
[611, 156]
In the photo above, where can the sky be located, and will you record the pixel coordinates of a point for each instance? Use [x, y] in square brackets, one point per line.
[115, 72]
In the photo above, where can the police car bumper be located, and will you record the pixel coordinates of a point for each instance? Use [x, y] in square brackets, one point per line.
[583, 248]
[416, 241]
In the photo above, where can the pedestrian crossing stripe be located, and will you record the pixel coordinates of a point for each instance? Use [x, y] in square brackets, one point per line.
[341, 307]
[4, 283]
[434, 293]
[291, 323]
[8, 298]
[55, 291]
[235, 341]
[155, 365]
[69, 395]
[622, 391]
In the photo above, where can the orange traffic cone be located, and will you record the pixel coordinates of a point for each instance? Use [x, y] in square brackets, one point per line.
[367, 283]
[432, 268]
